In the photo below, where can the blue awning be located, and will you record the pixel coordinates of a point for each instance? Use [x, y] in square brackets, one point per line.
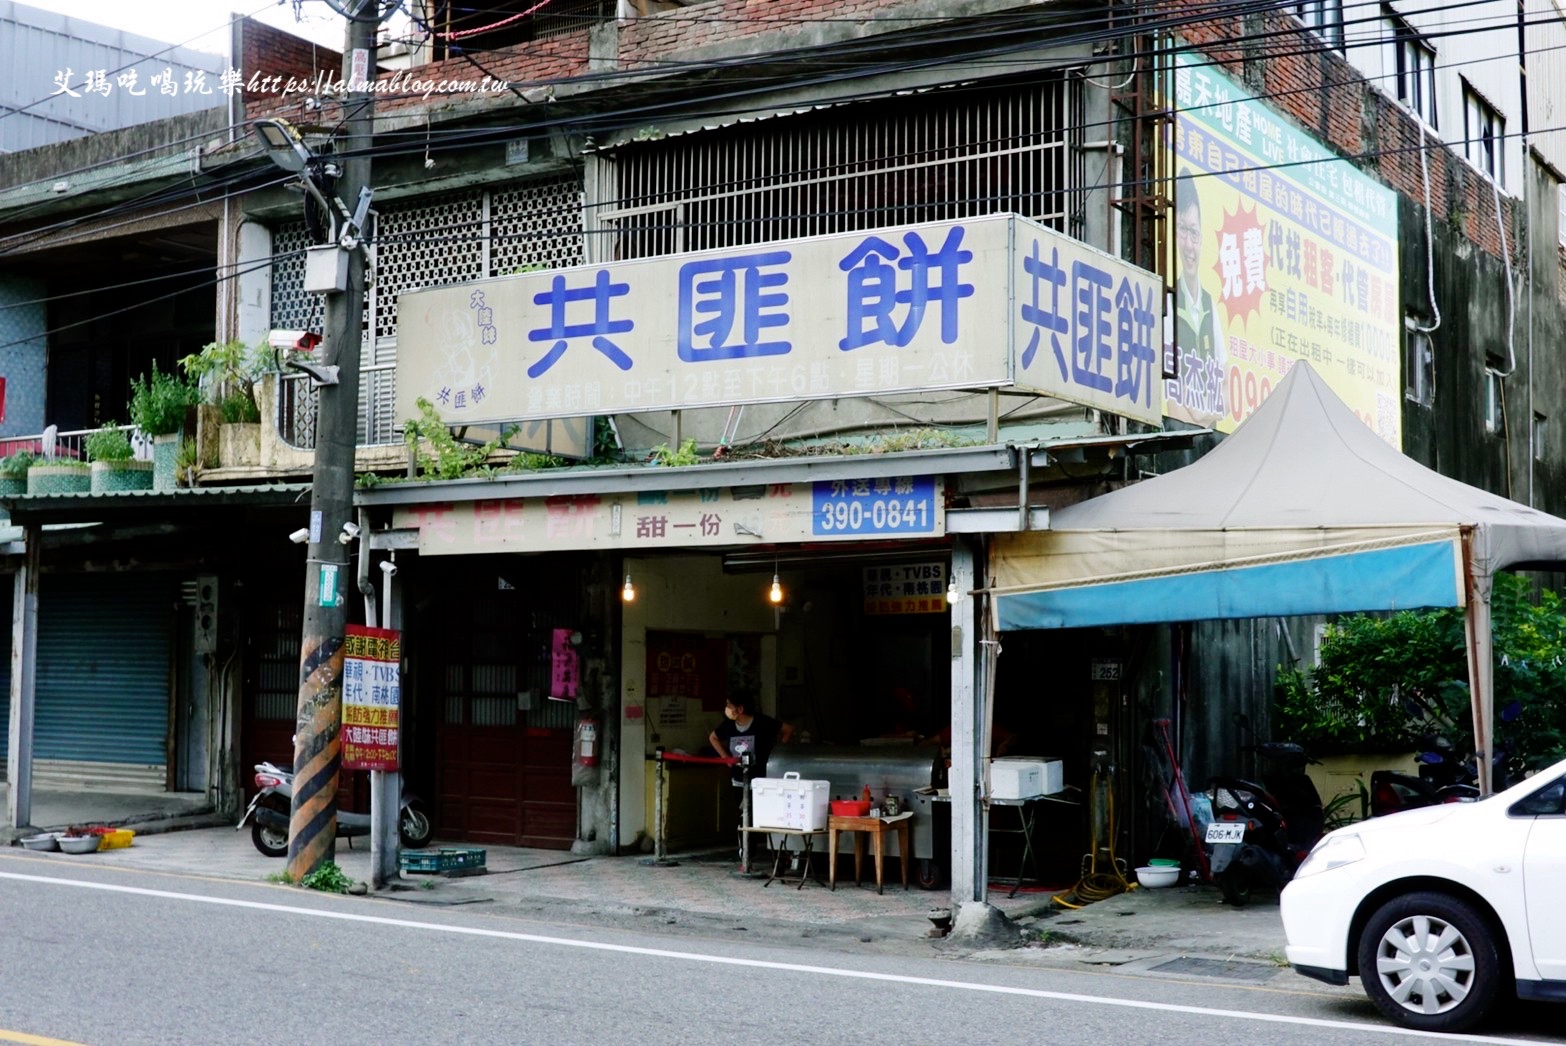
[1397, 578]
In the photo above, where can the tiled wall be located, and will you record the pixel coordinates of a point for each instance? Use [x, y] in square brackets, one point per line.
[22, 354]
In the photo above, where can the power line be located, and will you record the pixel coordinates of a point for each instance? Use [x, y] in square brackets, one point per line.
[137, 60]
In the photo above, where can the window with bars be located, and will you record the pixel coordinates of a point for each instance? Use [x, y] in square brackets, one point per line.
[1413, 60]
[451, 238]
[956, 154]
[1484, 130]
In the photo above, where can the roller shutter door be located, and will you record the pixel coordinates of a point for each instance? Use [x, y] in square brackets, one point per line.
[103, 668]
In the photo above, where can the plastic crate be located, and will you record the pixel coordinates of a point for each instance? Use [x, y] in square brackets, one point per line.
[116, 839]
[435, 862]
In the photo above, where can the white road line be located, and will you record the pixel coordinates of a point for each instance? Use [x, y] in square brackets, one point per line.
[723, 960]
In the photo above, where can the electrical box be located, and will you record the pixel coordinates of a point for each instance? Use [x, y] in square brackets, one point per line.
[326, 269]
[206, 614]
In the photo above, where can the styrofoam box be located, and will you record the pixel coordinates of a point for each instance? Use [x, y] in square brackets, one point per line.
[1013, 777]
[788, 802]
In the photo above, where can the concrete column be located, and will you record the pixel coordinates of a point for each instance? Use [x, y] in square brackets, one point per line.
[968, 828]
[24, 661]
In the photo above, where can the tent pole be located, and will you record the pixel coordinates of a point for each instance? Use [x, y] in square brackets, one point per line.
[1481, 673]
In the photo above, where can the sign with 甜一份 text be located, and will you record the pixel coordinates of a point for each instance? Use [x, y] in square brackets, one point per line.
[831, 510]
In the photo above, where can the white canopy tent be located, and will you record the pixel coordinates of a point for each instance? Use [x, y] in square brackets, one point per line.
[1302, 510]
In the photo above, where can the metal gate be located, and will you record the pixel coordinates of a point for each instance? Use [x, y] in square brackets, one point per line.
[102, 683]
[503, 749]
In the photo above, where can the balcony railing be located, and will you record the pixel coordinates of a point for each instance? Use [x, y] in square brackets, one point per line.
[71, 444]
[298, 406]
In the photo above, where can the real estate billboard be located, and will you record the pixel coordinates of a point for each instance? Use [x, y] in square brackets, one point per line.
[1283, 252]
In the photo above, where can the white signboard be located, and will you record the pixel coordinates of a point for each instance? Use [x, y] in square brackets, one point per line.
[987, 302]
[833, 510]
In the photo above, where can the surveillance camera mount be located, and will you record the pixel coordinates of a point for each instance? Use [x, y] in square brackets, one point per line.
[320, 373]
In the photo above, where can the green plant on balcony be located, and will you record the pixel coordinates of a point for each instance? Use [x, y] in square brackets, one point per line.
[228, 371]
[15, 466]
[109, 443]
[159, 402]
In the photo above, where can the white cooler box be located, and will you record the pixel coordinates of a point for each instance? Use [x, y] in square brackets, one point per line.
[788, 802]
[1014, 777]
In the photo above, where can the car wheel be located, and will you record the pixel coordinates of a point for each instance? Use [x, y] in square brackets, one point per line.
[1429, 961]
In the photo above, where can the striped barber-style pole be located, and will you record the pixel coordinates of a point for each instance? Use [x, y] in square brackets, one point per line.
[312, 825]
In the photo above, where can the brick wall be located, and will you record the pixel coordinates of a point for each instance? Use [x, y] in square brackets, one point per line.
[1325, 95]
[267, 53]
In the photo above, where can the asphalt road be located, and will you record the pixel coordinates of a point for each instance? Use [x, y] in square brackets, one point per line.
[99, 955]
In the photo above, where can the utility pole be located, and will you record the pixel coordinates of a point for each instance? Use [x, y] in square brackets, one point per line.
[312, 827]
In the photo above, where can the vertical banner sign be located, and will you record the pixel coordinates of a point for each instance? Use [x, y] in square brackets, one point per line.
[565, 670]
[372, 697]
[1282, 253]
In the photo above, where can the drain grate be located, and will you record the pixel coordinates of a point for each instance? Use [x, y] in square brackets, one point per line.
[1231, 971]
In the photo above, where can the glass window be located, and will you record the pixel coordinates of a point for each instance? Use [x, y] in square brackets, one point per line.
[1419, 367]
[1484, 130]
[1494, 403]
[1414, 65]
[1549, 801]
[1325, 18]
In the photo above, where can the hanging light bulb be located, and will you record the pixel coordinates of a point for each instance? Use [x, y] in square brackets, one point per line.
[628, 593]
[775, 593]
[952, 595]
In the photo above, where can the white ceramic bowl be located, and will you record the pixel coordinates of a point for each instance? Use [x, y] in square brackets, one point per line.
[1154, 876]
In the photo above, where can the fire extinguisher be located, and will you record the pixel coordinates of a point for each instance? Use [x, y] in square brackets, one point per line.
[587, 741]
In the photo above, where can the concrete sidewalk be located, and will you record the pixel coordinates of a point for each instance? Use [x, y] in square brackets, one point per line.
[703, 894]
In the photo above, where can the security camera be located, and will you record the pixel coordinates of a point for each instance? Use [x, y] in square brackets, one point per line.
[300, 536]
[350, 531]
[389, 568]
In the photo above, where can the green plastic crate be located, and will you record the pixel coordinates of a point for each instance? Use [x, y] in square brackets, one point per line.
[434, 862]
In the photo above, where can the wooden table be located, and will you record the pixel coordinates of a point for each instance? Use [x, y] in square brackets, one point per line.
[877, 828]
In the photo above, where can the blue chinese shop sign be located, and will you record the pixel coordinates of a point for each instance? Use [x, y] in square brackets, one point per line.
[993, 302]
[891, 505]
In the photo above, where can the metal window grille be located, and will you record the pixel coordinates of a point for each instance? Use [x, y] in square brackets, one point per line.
[954, 154]
[424, 243]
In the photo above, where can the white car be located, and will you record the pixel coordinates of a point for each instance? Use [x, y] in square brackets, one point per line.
[1440, 911]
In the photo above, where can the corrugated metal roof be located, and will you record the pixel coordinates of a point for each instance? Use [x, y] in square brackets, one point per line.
[36, 46]
[63, 508]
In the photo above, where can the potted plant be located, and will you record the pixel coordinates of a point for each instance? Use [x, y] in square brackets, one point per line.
[187, 463]
[228, 372]
[13, 472]
[58, 476]
[114, 464]
[158, 406]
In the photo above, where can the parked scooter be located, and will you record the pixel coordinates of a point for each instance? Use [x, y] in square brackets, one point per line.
[1260, 833]
[1443, 778]
[274, 801]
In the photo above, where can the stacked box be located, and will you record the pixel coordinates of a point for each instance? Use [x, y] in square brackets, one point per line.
[788, 802]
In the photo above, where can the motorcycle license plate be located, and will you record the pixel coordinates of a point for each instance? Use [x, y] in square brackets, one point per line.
[1226, 832]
